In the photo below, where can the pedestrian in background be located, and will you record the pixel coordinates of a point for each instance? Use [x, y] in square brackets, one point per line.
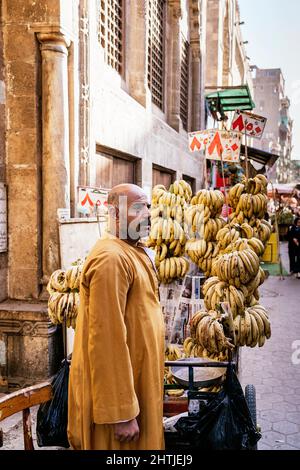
[294, 247]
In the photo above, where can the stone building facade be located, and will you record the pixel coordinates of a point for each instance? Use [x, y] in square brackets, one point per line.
[227, 63]
[92, 93]
[272, 102]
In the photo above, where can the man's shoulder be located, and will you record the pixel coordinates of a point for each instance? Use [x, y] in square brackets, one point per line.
[111, 247]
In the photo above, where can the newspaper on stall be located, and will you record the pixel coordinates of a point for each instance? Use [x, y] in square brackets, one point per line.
[180, 301]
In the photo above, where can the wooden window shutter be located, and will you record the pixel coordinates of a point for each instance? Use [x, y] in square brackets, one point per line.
[111, 32]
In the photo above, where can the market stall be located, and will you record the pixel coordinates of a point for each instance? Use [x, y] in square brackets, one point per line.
[210, 273]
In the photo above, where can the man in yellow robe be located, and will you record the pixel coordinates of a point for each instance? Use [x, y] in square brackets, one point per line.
[117, 367]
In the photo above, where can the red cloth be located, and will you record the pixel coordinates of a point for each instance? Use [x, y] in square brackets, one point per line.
[226, 211]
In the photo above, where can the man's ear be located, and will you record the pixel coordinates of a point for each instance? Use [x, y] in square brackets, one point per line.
[113, 211]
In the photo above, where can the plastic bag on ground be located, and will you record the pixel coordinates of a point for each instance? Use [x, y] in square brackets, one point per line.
[52, 416]
[225, 423]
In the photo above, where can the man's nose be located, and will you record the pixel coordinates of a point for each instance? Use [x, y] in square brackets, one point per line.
[147, 211]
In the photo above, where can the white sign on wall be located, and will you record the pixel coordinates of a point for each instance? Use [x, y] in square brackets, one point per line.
[3, 218]
[91, 200]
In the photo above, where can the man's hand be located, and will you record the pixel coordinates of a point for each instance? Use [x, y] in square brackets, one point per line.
[127, 432]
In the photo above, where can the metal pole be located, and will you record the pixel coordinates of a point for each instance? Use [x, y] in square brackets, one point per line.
[246, 155]
[277, 236]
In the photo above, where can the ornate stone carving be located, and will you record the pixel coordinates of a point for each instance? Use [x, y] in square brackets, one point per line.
[54, 41]
[27, 328]
[84, 118]
[41, 355]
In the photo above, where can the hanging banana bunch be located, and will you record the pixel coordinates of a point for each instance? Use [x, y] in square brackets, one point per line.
[167, 235]
[63, 303]
[203, 223]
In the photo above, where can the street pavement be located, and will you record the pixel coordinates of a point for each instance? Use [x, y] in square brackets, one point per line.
[271, 369]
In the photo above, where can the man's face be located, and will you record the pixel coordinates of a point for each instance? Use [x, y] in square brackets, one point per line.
[138, 217]
[298, 223]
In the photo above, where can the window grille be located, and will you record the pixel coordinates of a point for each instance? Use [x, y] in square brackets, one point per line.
[111, 32]
[184, 83]
[156, 33]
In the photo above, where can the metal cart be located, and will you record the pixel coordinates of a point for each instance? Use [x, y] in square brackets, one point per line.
[175, 406]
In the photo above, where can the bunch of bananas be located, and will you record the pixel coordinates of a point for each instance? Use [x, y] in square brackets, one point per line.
[228, 234]
[57, 282]
[195, 218]
[235, 270]
[170, 380]
[168, 232]
[202, 223]
[167, 235]
[172, 353]
[172, 268]
[180, 193]
[202, 253]
[212, 389]
[244, 243]
[237, 267]
[63, 287]
[233, 234]
[207, 331]
[63, 306]
[216, 292]
[254, 186]
[252, 205]
[253, 327]
[237, 278]
[249, 201]
[64, 281]
[212, 199]
[192, 348]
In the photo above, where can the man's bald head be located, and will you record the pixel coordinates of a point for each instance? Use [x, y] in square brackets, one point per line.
[131, 191]
[128, 208]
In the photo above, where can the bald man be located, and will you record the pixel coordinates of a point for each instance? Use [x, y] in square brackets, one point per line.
[116, 375]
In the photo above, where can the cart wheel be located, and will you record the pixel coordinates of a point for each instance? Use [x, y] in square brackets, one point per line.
[250, 395]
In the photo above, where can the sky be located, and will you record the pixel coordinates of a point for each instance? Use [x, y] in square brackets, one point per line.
[272, 28]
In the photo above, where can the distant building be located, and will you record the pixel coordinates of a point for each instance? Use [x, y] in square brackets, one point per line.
[271, 102]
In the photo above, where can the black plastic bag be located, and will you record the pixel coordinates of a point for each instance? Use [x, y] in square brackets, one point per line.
[52, 416]
[225, 423]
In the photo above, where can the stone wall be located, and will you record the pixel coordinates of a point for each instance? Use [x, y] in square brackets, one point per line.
[23, 147]
[226, 62]
[30, 347]
[125, 119]
[3, 256]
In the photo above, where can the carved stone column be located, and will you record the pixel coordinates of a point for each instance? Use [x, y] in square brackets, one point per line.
[197, 66]
[136, 60]
[55, 109]
[84, 93]
[196, 87]
[175, 14]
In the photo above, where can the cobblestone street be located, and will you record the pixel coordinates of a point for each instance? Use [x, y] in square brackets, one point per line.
[271, 370]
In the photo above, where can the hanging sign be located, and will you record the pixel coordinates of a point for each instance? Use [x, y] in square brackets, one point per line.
[217, 144]
[248, 123]
[90, 199]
